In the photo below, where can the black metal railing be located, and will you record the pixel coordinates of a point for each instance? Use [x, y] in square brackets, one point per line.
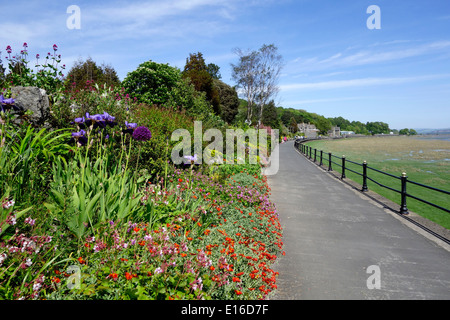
[319, 156]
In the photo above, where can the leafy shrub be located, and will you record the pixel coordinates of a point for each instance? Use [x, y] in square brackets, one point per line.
[160, 84]
[92, 99]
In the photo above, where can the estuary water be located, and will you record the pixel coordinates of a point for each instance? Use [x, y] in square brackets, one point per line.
[445, 137]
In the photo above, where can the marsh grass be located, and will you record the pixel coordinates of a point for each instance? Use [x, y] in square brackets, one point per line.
[424, 161]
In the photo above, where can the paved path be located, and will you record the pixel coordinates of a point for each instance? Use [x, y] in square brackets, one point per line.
[332, 234]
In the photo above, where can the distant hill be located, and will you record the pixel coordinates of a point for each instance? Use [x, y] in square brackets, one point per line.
[433, 131]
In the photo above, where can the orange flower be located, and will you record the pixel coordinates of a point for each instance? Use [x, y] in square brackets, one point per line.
[128, 276]
[113, 275]
[238, 292]
[56, 280]
[80, 260]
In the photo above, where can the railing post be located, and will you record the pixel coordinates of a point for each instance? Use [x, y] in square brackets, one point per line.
[403, 208]
[321, 157]
[364, 187]
[343, 167]
[310, 152]
[315, 155]
[329, 162]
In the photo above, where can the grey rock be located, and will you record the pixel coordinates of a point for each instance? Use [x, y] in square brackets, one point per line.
[35, 100]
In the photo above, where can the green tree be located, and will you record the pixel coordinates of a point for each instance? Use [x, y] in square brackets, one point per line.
[377, 127]
[270, 115]
[229, 101]
[293, 125]
[408, 132]
[197, 71]
[160, 84]
[213, 70]
[286, 117]
[88, 70]
[152, 82]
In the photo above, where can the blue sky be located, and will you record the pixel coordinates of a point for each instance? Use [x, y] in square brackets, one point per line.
[334, 64]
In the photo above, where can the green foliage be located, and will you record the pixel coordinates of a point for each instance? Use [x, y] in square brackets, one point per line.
[243, 179]
[160, 84]
[117, 211]
[407, 132]
[377, 127]
[270, 116]
[229, 101]
[197, 71]
[92, 99]
[25, 155]
[152, 82]
[47, 75]
[213, 70]
[83, 71]
[84, 193]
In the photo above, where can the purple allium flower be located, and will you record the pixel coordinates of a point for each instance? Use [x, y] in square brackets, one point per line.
[55, 47]
[142, 134]
[8, 49]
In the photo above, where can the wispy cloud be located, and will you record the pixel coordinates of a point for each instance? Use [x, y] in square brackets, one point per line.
[363, 82]
[368, 57]
[312, 101]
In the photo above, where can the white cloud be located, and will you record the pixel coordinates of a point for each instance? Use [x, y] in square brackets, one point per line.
[368, 57]
[363, 82]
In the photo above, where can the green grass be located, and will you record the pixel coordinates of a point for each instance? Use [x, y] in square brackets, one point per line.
[423, 161]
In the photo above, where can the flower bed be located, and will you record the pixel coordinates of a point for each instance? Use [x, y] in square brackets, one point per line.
[204, 240]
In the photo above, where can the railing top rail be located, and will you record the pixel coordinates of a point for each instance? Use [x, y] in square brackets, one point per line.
[429, 187]
[404, 179]
[388, 174]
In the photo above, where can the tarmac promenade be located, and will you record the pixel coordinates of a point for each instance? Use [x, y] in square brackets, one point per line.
[340, 245]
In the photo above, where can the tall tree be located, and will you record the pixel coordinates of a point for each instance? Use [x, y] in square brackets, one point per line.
[257, 74]
[197, 71]
[213, 70]
[229, 101]
[270, 115]
[83, 71]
